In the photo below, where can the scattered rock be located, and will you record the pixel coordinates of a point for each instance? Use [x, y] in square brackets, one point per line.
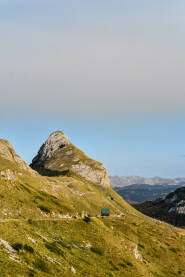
[137, 255]
[73, 270]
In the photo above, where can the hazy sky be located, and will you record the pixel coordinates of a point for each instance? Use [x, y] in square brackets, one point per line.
[108, 73]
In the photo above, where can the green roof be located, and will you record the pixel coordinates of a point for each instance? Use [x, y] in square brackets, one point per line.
[105, 210]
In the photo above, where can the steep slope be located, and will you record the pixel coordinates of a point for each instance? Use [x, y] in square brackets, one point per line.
[58, 156]
[170, 208]
[38, 237]
[26, 194]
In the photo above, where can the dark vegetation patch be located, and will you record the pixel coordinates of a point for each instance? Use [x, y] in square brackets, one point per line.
[113, 266]
[28, 248]
[39, 198]
[53, 247]
[31, 273]
[41, 265]
[85, 261]
[173, 250]
[122, 265]
[128, 263]
[141, 245]
[97, 250]
[24, 187]
[30, 221]
[87, 219]
[17, 246]
[62, 243]
[44, 209]
[51, 173]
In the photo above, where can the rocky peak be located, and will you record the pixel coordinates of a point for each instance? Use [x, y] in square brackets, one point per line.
[56, 140]
[59, 156]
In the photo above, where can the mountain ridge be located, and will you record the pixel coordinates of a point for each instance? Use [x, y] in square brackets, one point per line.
[121, 181]
[170, 208]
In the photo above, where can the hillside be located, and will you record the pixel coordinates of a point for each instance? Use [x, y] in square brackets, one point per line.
[137, 193]
[44, 231]
[170, 208]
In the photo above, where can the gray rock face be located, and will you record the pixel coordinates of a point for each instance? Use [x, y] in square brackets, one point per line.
[55, 141]
[59, 155]
[177, 201]
[98, 175]
[7, 152]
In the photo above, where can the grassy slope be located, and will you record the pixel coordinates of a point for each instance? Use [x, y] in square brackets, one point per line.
[102, 247]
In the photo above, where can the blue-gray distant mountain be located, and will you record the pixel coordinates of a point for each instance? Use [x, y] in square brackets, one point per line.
[135, 189]
[137, 193]
[122, 181]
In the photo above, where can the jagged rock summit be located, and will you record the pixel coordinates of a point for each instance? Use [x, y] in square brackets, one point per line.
[58, 156]
[55, 141]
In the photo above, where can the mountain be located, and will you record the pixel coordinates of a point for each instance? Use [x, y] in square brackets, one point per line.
[58, 156]
[45, 230]
[142, 192]
[121, 181]
[171, 208]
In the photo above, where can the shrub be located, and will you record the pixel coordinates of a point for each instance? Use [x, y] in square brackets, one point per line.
[30, 221]
[40, 264]
[31, 273]
[17, 246]
[44, 209]
[29, 248]
[129, 263]
[54, 248]
[173, 249]
[87, 219]
[141, 246]
[97, 250]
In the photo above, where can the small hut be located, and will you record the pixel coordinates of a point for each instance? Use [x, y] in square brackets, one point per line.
[105, 212]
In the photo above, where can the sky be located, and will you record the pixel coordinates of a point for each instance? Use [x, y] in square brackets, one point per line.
[110, 74]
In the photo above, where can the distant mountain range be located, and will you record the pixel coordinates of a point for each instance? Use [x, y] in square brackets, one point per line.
[137, 193]
[170, 208]
[122, 181]
[135, 189]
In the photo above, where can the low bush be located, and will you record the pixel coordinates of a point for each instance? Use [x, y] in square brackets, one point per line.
[44, 209]
[28, 248]
[87, 219]
[17, 246]
[97, 251]
[54, 248]
[41, 265]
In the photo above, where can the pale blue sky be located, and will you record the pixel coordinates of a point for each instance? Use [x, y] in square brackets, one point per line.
[110, 74]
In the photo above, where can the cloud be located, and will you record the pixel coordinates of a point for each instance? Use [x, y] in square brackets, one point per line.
[63, 69]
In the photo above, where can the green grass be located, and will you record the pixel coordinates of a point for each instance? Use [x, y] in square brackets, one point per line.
[44, 245]
[56, 246]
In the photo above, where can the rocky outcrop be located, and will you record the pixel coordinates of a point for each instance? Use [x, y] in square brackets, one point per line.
[176, 201]
[58, 156]
[56, 140]
[7, 152]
